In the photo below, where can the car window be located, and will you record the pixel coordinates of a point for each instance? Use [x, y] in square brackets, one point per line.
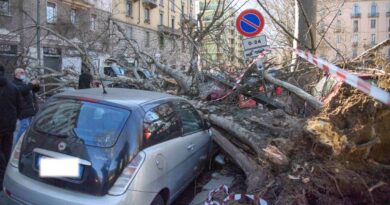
[107, 71]
[190, 118]
[161, 124]
[94, 124]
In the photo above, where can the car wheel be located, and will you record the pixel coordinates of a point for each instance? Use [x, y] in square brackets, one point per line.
[158, 200]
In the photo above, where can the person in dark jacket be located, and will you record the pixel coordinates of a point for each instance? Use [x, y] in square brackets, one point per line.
[85, 79]
[10, 109]
[27, 91]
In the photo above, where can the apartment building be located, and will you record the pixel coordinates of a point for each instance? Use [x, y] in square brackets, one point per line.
[223, 47]
[156, 27]
[82, 22]
[359, 25]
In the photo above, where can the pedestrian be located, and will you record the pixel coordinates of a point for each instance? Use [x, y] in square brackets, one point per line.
[10, 108]
[85, 79]
[29, 106]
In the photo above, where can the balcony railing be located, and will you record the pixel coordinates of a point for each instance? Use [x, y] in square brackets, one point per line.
[80, 3]
[168, 30]
[375, 14]
[337, 30]
[151, 4]
[354, 44]
[356, 15]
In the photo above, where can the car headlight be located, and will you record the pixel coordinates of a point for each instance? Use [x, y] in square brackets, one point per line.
[14, 161]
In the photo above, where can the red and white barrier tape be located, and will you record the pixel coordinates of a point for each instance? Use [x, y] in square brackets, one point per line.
[338, 73]
[231, 197]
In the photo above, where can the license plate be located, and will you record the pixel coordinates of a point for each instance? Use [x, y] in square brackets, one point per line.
[38, 163]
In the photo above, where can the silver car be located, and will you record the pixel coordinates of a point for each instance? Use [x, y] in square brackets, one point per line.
[132, 147]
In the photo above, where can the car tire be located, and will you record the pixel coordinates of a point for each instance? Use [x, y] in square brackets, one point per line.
[159, 200]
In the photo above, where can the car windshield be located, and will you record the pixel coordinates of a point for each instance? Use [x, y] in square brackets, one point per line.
[118, 70]
[92, 123]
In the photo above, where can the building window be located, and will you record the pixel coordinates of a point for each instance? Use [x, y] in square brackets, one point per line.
[355, 38]
[338, 25]
[161, 2]
[356, 10]
[161, 19]
[161, 41]
[4, 6]
[354, 53]
[51, 12]
[129, 8]
[183, 44]
[373, 9]
[373, 23]
[173, 23]
[73, 16]
[147, 40]
[130, 32]
[93, 22]
[373, 39]
[173, 5]
[147, 15]
[355, 26]
[338, 39]
[182, 8]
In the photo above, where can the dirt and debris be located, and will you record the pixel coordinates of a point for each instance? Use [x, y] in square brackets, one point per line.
[339, 155]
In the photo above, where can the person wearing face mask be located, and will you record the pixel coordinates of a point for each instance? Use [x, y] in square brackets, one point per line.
[27, 91]
[10, 108]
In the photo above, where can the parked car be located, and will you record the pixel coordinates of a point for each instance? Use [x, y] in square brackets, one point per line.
[134, 147]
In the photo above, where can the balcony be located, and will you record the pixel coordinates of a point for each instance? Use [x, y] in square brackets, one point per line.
[388, 14]
[338, 30]
[135, 0]
[149, 4]
[373, 14]
[355, 44]
[79, 3]
[168, 30]
[356, 15]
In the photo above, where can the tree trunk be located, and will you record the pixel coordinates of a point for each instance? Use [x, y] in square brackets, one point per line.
[299, 92]
[255, 175]
[305, 27]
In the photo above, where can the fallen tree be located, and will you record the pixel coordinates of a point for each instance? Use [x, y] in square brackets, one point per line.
[296, 90]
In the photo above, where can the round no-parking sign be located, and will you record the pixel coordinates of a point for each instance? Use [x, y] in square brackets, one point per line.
[250, 23]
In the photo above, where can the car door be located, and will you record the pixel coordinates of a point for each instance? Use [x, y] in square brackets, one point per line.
[196, 138]
[166, 151]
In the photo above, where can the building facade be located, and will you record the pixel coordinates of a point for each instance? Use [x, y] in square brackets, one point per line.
[155, 25]
[80, 22]
[88, 24]
[358, 26]
[223, 47]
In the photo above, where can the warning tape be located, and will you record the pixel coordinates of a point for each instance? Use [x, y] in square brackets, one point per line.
[338, 73]
[231, 197]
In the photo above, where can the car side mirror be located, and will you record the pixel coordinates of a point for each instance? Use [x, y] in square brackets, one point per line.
[206, 124]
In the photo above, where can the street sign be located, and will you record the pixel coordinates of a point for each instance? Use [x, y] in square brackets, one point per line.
[250, 23]
[255, 42]
[253, 53]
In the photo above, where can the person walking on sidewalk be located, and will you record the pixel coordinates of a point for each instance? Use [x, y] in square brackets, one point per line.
[10, 108]
[29, 108]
